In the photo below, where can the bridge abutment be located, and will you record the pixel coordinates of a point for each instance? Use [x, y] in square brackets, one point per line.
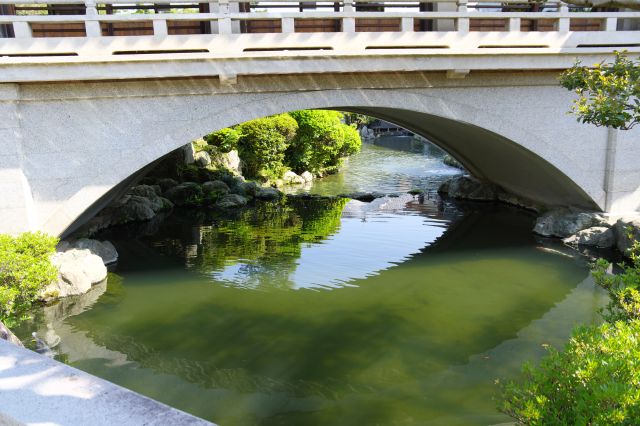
[17, 212]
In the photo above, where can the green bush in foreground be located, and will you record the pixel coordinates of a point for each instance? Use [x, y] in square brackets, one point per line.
[25, 269]
[594, 381]
[624, 297]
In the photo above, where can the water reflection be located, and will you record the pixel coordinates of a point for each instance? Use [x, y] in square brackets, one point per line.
[401, 311]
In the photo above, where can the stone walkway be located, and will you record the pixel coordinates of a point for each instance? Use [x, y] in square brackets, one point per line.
[35, 389]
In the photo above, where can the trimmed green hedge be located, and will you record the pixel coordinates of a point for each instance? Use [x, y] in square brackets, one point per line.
[25, 269]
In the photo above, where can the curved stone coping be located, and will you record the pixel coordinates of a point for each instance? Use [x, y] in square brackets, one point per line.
[35, 389]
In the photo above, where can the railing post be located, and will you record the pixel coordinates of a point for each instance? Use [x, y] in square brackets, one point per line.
[348, 24]
[564, 23]
[406, 25]
[22, 30]
[224, 24]
[611, 24]
[514, 25]
[160, 28]
[91, 24]
[288, 25]
[462, 24]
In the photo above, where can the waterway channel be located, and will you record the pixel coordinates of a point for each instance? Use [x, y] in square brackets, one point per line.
[403, 311]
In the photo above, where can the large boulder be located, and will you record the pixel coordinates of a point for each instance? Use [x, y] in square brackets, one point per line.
[186, 194]
[231, 201]
[290, 178]
[150, 193]
[246, 189]
[202, 159]
[104, 249]
[564, 222]
[189, 153]
[133, 208]
[215, 186]
[229, 161]
[268, 194]
[468, 188]
[307, 176]
[167, 183]
[627, 230]
[78, 271]
[597, 236]
[6, 334]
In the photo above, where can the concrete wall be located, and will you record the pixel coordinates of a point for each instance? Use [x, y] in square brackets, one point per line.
[80, 140]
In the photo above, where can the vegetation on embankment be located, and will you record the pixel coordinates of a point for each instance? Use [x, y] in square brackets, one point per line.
[596, 378]
[316, 141]
[25, 269]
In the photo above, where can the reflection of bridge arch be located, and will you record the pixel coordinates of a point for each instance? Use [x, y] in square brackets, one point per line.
[80, 141]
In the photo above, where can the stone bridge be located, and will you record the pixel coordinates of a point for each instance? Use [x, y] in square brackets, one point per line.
[90, 96]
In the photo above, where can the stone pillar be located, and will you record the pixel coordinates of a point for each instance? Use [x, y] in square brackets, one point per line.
[622, 171]
[17, 212]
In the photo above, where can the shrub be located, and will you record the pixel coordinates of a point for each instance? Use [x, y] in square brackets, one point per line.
[25, 269]
[262, 145]
[624, 297]
[224, 140]
[321, 141]
[594, 381]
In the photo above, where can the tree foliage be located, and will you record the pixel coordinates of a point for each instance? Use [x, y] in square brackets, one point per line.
[321, 141]
[630, 4]
[224, 140]
[609, 93]
[25, 269]
[262, 145]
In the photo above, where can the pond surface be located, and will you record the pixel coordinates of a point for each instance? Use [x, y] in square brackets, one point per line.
[403, 311]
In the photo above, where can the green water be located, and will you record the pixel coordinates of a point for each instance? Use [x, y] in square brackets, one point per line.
[399, 312]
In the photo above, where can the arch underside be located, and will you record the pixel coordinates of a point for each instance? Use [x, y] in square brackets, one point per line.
[491, 157]
[492, 145]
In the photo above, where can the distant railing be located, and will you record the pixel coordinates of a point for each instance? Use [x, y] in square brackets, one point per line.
[68, 18]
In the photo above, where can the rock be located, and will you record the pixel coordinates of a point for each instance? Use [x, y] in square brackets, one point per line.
[366, 197]
[185, 194]
[290, 178]
[104, 249]
[78, 271]
[230, 201]
[229, 161]
[307, 176]
[189, 152]
[268, 194]
[136, 208]
[564, 222]
[622, 228]
[167, 183]
[246, 189]
[202, 158]
[6, 334]
[155, 201]
[597, 236]
[416, 191]
[468, 188]
[216, 186]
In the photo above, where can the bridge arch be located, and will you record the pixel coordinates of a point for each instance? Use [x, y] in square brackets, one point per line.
[519, 152]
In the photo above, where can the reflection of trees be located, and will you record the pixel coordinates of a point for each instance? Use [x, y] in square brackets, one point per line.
[265, 241]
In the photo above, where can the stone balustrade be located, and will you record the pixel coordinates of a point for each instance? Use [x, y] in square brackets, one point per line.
[439, 27]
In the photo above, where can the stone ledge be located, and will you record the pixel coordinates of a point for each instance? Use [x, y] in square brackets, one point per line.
[37, 389]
